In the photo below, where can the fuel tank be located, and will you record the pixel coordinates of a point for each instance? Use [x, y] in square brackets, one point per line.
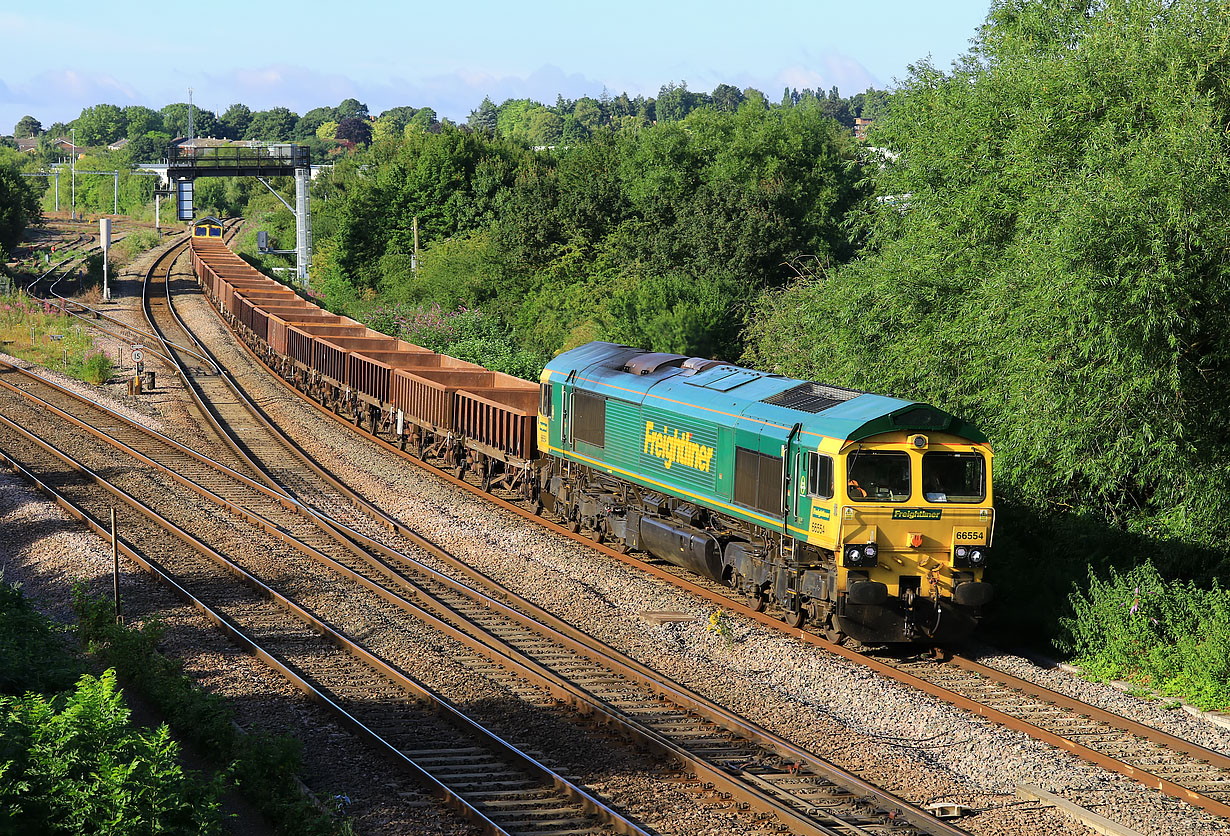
[686, 547]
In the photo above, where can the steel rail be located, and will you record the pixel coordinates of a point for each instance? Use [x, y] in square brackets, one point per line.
[1086, 753]
[575, 793]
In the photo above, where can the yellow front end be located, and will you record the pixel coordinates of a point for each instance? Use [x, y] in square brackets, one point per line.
[915, 529]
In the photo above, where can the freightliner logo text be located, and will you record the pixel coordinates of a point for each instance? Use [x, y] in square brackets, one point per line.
[674, 447]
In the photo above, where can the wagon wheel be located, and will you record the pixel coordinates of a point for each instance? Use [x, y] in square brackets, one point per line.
[486, 480]
[401, 443]
[460, 471]
[755, 599]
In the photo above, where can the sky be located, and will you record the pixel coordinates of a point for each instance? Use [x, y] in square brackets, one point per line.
[57, 58]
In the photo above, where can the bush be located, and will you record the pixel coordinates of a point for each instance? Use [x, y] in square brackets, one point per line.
[1170, 636]
[466, 334]
[76, 764]
[96, 368]
[34, 654]
[264, 766]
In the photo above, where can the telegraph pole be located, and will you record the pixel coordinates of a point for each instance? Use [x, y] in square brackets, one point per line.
[73, 163]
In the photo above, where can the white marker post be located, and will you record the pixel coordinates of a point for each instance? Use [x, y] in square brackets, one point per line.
[104, 237]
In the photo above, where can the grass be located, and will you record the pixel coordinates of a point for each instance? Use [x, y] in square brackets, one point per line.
[35, 331]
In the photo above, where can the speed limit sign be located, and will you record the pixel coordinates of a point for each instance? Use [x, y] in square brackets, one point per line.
[137, 354]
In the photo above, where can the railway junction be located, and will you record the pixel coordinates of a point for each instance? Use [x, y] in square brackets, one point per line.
[436, 651]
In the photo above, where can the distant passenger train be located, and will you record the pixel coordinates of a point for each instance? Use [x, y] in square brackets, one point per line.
[870, 517]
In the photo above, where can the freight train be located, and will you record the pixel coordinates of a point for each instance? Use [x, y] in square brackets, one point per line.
[867, 516]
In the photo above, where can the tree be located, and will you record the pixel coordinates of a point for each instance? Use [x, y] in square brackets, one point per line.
[485, 118]
[18, 205]
[544, 127]
[327, 132]
[589, 114]
[1057, 272]
[141, 120]
[727, 98]
[423, 119]
[99, 125]
[26, 127]
[151, 145]
[273, 125]
[755, 98]
[175, 120]
[397, 118]
[310, 122]
[350, 109]
[235, 121]
[676, 102]
[355, 131]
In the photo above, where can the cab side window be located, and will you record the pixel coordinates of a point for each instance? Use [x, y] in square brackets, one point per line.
[544, 400]
[819, 476]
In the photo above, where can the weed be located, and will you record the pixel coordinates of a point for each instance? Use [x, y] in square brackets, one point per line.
[264, 766]
[719, 625]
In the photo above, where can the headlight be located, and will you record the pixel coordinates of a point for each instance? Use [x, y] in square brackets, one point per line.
[861, 555]
[969, 557]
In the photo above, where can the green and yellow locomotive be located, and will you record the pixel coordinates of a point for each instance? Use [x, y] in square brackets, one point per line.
[869, 516]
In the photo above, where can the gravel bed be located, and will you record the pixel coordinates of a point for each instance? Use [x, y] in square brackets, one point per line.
[1152, 712]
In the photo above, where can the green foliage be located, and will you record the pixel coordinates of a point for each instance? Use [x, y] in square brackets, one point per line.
[34, 655]
[175, 120]
[18, 204]
[273, 125]
[77, 765]
[264, 766]
[468, 335]
[658, 236]
[1169, 636]
[100, 125]
[26, 127]
[96, 368]
[1047, 259]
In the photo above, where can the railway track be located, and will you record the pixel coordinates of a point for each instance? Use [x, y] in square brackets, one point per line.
[489, 781]
[797, 789]
[1156, 759]
[742, 760]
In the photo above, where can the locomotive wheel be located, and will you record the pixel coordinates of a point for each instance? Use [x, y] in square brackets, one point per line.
[794, 618]
[832, 633]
